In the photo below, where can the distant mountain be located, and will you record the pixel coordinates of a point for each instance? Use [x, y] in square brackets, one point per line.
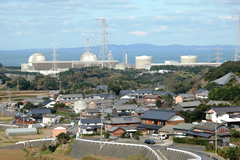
[143, 46]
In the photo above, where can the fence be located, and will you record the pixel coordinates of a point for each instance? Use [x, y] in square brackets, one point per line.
[36, 140]
[185, 152]
[123, 144]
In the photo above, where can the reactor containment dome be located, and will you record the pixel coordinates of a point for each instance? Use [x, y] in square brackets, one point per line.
[36, 57]
[88, 57]
[189, 59]
[141, 61]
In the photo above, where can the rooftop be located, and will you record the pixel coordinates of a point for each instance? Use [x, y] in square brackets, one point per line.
[160, 114]
[124, 120]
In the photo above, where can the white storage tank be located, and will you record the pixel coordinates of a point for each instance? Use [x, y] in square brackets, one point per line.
[24, 67]
[189, 59]
[141, 61]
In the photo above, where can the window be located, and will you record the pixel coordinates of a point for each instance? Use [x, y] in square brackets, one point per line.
[107, 125]
[148, 99]
[152, 99]
[146, 121]
[162, 123]
[154, 122]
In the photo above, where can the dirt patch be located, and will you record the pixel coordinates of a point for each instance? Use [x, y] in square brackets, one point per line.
[100, 158]
[43, 134]
[11, 154]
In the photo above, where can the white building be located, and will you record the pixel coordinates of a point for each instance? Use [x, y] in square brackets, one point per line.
[51, 118]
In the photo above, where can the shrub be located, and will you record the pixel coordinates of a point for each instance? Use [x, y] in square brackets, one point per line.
[52, 148]
[106, 135]
[194, 141]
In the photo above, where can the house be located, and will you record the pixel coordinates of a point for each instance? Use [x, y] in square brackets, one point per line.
[166, 129]
[38, 113]
[125, 110]
[229, 115]
[163, 93]
[91, 112]
[34, 101]
[24, 118]
[56, 130]
[139, 111]
[207, 129]
[180, 129]
[139, 93]
[53, 93]
[201, 90]
[69, 97]
[184, 97]
[187, 106]
[127, 97]
[213, 102]
[48, 103]
[103, 87]
[150, 100]
[154, 119]
[90, 126]
[51, 118]
[118, 125]
[100, 96]
[222, 81]
[203, 95]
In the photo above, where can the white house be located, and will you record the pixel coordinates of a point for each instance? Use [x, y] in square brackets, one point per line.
[228, 115]
[51, 118]
[49, 103]
[90, 126]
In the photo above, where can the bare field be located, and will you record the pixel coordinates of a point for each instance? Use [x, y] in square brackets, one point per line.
[12, 154]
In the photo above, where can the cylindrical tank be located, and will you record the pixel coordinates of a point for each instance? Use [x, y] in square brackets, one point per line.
[141, 61]
[189, 59]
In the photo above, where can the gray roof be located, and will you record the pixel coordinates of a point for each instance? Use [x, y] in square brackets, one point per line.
[121, 101]
[166, 128]
[200, 90]
[104, 87]
[207, 126]
[224, 110]
[126, 91]
[160, 114]
[47, 102]
[21, 130]
[71, 96]
[124, 120]
[224, 79]
[204, 93]
[148, 126]
[92, 120]
[141, 110]
[54, 92]
[50, 115]
[189, 104]
[163, 93]
[183, 126]
[40, 111]
[212, 102]
[200, 134]
[188, 95]
[126, 107]
[42, 96]
[93, 110]
[125, 128]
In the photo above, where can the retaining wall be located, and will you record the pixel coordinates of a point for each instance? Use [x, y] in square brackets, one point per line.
[81, 149]
[27, 145]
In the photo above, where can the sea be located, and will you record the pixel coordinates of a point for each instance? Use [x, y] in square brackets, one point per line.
[17, 57]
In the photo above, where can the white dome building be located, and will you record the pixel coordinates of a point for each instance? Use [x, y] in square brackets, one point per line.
[88, 57]
[36, 57]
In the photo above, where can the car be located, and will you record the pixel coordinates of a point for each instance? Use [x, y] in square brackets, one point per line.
[149, 141]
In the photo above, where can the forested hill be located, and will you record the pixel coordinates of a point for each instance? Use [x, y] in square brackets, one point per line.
[225, 68]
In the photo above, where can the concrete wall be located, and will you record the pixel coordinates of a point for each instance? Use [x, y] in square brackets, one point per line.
[27, 145]
[81, 149]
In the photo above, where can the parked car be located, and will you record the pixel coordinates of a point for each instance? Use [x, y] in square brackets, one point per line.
[149, 141]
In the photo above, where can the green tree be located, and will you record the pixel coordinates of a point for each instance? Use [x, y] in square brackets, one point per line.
[158, 103]
[59, 105]
[63, 137]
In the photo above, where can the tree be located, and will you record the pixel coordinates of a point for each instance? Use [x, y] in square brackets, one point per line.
[59, 105]
[63, 137]
[159, 103]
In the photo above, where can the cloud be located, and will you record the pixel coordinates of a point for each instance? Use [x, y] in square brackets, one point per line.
[66, 30]
[162, 28]
[161, 17]
[178, 11]
[130, 6]
[129, 17]
[138, 33]
[228, 18]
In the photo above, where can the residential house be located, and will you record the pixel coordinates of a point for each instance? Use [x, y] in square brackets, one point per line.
[48, 103]
[163, 93]
[207, 129]
[24, 118]
[150, 100]
[69, 97]
[216, 103]
[56, 130]
[181, 128]
[53, 93]
[90, 126]
[51, 118]
[42, 96]
[222, 81]
[121, 101]
[38, 113]
[127, 97]
[91, 112]
[203, 95]
[103, 87]
[184, 97]
[139, 111]
[34, 101]
[125, 110]
[118, 125]
[154, 119]
[139, 93]
[229, 115]
[100, 96]
[201, 90]
[187, 106]
[166, 129]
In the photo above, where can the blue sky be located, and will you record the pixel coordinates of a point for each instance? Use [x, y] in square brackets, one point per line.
[29, 24]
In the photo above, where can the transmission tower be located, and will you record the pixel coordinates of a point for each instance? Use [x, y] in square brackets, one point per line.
[103, 54]
[54, 64]
[236, 52]
[110, 60]
[218, 54]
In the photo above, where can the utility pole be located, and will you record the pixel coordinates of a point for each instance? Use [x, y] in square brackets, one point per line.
[54, 64]
[6, 85]
[236, 52]
[104, 43]
[218, 54]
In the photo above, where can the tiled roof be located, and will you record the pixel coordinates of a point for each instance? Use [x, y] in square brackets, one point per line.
[40, 111]
[188, 95]
[104, 87]
[92, 120]
[152, 96]
[224, 79]
[71, 96]
[212, 102]
[200, 134]
[161, 114]
[163, 93]
[183, 126]
[124, 120]
[166, 128]
[93, 110]
[224, 110]
[148, 126]
[47, 101]
[189, 104]
[207, 126]
[200, 90]
[126, 107]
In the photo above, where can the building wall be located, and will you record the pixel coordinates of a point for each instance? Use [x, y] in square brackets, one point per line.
[20, 121]
[118, 132]
[55, 132]
[178, 99]
[175, 122]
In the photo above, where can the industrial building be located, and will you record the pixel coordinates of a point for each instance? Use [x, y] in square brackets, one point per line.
[142, 61]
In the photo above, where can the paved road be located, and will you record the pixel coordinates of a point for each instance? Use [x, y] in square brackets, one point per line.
[73, 131]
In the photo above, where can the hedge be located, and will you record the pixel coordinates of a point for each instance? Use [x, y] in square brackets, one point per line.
[194, 141]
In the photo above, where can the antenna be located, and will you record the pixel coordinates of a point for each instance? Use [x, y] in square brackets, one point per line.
[236, 52]
[218, 54]
[104, 43]
[54, 65]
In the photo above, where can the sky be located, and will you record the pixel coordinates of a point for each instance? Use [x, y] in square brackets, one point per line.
[27, 24]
